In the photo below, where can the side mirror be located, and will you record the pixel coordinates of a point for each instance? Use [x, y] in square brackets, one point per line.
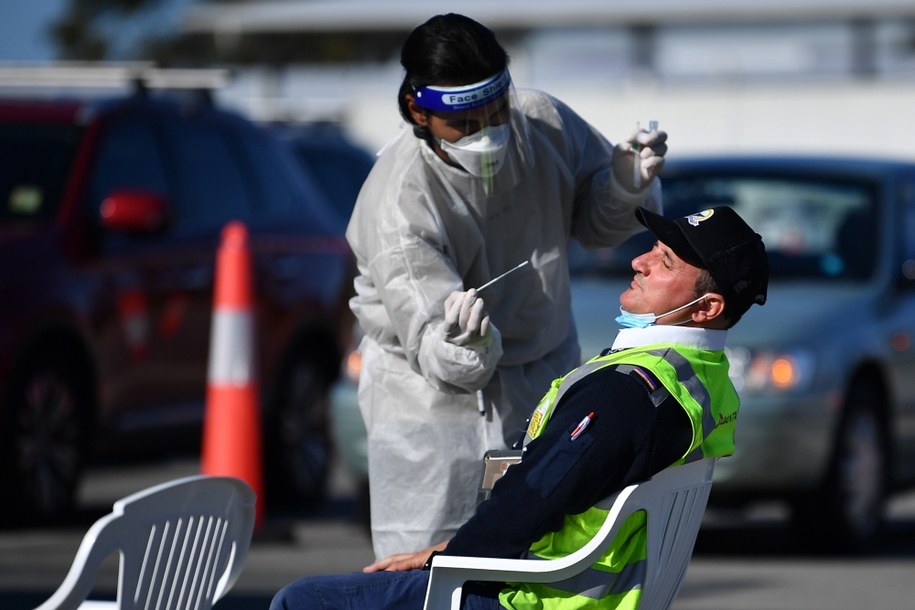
[134, 211]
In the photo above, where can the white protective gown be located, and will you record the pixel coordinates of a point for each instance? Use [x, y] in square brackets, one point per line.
[418, 234]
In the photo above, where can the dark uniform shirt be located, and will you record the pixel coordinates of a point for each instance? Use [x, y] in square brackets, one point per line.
[627, 441]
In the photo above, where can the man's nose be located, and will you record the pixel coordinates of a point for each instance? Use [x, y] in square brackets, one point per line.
[639, 264]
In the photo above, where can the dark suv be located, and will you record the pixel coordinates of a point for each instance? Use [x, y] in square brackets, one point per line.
[110, 220]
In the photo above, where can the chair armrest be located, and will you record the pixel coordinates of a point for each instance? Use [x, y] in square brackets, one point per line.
[498, 570]
[675, 502]
[536, 570]
[450, 572]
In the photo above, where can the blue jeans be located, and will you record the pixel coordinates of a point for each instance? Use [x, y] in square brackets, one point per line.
[375, 591]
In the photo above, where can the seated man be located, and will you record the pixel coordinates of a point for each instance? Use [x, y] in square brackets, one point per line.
[659, 396]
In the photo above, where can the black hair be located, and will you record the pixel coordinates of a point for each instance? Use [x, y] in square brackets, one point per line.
[448, 50]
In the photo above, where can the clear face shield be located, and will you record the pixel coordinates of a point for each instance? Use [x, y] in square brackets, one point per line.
[481, 130]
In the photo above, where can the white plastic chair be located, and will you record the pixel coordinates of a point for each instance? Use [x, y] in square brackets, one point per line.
[182, 545]
[674, 500]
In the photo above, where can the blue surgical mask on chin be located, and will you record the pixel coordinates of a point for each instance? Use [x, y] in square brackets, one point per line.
[635, 320]
[628, 319]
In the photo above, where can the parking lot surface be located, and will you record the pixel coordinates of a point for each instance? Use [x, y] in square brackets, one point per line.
[739, 564]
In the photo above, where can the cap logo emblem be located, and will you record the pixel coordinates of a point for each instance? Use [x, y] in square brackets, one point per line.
[695, 219]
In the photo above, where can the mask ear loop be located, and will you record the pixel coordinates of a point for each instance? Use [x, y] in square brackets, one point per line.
[681, 308]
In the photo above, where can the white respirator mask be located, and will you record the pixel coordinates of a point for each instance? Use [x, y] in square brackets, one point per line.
[480, 153]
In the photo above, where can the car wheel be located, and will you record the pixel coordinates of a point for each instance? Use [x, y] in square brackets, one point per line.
[297, 436]
[847, 513]
[44, 438]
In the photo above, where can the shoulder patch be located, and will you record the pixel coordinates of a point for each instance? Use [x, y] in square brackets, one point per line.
[641, 374]
[656, 390]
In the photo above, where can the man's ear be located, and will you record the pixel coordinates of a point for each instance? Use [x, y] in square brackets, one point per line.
[416, 111]
[711, 308]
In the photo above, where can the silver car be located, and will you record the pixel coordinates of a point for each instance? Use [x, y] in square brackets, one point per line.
[826, 370]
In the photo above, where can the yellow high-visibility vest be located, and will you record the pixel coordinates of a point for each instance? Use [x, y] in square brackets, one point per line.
[695, 378]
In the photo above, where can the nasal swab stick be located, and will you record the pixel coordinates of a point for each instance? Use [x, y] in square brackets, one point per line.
[499, 277]
[637, 162]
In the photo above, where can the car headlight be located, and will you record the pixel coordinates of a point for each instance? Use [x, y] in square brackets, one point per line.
[770, 371]
[352, 365]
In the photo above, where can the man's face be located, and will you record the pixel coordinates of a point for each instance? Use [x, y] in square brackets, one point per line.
[663, 281]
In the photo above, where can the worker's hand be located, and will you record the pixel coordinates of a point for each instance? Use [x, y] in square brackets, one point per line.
[466, 320]
[645, 148]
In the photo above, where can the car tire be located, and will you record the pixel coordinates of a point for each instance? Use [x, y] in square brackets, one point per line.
[846, 513]
[44, 435]
[297, 443]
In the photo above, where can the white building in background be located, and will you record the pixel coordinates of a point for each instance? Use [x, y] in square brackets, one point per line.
[802, 75]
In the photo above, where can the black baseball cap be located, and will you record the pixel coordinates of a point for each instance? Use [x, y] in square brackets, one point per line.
[719, 241]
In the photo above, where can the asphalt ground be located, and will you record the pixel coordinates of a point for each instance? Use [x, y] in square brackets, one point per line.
[328, 539]
[745, 563]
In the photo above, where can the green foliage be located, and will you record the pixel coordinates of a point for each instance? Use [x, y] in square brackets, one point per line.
[94, 30]
[77, 35]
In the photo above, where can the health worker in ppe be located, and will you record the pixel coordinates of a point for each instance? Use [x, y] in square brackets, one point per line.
[488, 178]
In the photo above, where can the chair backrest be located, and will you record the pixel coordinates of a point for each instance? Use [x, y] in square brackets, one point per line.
[182, 545]
[674, 501]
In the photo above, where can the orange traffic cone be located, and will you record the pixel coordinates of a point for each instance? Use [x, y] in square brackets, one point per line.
[232, 427]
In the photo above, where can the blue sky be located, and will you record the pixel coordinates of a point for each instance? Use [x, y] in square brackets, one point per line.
[22, 29]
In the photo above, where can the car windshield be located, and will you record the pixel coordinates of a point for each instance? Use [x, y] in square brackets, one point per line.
[814, 229]
[34, 160]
